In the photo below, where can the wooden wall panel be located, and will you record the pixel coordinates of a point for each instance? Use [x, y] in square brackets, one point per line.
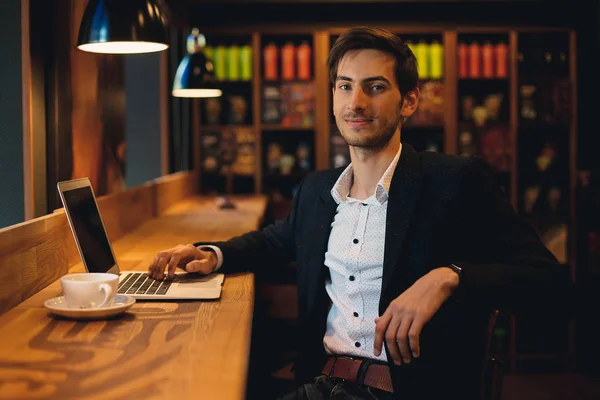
[173, 188]
[124, 211]
[32, 256]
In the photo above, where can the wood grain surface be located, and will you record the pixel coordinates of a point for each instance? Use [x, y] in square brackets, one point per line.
[155, 350]
[32, 254]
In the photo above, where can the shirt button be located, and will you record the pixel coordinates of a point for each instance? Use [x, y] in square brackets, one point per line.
[355, 314]
[351, 277]
[357, 344]
[355, 241]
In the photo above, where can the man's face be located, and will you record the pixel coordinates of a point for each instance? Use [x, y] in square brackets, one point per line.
[367, 102]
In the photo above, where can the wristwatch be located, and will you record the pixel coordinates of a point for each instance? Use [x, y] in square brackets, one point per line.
[456, 269]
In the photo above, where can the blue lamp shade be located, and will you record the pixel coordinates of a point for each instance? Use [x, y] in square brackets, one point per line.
[195, 77]
[123, 27]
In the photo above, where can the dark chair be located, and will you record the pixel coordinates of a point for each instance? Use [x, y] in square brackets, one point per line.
[493, 369]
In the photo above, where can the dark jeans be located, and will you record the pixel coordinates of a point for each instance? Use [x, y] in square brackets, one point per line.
[324, 388]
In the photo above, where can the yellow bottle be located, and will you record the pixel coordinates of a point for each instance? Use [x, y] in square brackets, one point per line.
[422, 54]
[220, 62]
[436, 60]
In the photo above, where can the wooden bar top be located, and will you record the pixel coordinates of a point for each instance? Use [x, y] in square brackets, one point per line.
[155, 350]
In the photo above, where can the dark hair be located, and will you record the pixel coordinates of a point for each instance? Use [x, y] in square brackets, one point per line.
[361, 38]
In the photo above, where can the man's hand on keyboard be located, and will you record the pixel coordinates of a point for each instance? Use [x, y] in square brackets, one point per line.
[186, 257]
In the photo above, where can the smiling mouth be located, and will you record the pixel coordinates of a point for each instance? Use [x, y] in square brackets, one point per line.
[358, 122]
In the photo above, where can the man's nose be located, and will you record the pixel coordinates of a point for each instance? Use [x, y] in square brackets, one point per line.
[359, 100]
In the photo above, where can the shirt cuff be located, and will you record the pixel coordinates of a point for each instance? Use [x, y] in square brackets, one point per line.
[217, 251]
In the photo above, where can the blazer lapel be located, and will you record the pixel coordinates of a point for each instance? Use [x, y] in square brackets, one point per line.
[322, 217]
[405, 190]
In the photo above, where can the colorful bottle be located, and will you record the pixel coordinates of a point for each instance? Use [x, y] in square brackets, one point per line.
[501, 60]
[422, 53]
[463, 60]
[220, 63]
[271, 61]
[233, 62]
[474, 60]
[288, 62]
[246, 63]
[303, 57]
[487, 56]
[436, 60]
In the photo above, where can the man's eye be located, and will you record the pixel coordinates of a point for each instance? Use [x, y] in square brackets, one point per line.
[344, 86]
[377, 88]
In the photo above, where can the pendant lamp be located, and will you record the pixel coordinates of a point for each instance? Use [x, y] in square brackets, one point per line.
[123, 27]
[195, 76]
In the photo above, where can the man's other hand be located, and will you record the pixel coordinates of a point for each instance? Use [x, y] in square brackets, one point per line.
[186, 257]
[402, 322]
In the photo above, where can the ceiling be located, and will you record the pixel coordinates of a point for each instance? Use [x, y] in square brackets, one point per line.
[223, 13]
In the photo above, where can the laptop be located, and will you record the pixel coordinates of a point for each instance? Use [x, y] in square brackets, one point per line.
[96, 252]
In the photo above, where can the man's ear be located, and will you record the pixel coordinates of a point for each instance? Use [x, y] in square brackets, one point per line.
[410, 103]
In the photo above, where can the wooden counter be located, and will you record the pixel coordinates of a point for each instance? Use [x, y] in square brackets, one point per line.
[156, 350]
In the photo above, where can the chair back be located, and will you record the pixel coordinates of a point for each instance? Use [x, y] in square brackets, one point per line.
[493, 369]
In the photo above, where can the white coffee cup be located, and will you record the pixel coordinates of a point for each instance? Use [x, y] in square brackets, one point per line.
[89, 290]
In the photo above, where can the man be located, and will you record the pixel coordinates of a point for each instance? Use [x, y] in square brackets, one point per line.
[401, 256]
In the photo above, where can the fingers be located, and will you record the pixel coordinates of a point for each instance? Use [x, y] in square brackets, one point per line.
[171, 259]
[381, 325]
[157, 268]
[401, 331]
[201, 266]
[391, 335]
[173, 263]
[402, 340]
[414, 335]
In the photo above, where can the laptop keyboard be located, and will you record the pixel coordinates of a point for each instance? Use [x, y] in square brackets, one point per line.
[141, 283]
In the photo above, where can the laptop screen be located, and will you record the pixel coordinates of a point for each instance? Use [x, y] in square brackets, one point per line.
[87, 225]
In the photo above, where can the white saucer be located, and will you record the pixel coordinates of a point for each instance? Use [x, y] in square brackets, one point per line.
[59, 307]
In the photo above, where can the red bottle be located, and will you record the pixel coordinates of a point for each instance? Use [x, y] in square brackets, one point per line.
[474, 60]
[270, 55]
[463, 60]
[288, 62]
[303, 57]
[487, 53]
[501, 60]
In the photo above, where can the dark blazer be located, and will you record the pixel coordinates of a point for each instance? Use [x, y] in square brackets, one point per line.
[441, 209]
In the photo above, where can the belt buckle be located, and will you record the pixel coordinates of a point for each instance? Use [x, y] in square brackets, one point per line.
[332, 367]
[335, 363]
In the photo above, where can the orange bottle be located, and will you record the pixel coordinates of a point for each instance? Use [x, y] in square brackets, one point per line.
[303, 57]
[487, 53]
[270, 55]
[474, 60]
[288, 62]
[501, 60]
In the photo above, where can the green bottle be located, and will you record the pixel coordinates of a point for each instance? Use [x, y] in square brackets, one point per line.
[436, 60]
[220, 64]
[233, 62]
[246, 63]
[421, 52]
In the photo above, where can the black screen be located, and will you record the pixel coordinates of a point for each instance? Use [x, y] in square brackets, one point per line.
[85, 218]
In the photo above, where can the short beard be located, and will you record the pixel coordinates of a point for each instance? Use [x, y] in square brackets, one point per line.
[380, 139]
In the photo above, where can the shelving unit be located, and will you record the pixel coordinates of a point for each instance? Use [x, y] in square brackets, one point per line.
[485, 91]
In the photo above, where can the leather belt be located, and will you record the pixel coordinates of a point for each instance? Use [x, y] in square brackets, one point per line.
[360, 371]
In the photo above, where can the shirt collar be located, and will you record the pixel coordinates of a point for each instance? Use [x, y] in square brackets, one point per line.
[341, 189]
